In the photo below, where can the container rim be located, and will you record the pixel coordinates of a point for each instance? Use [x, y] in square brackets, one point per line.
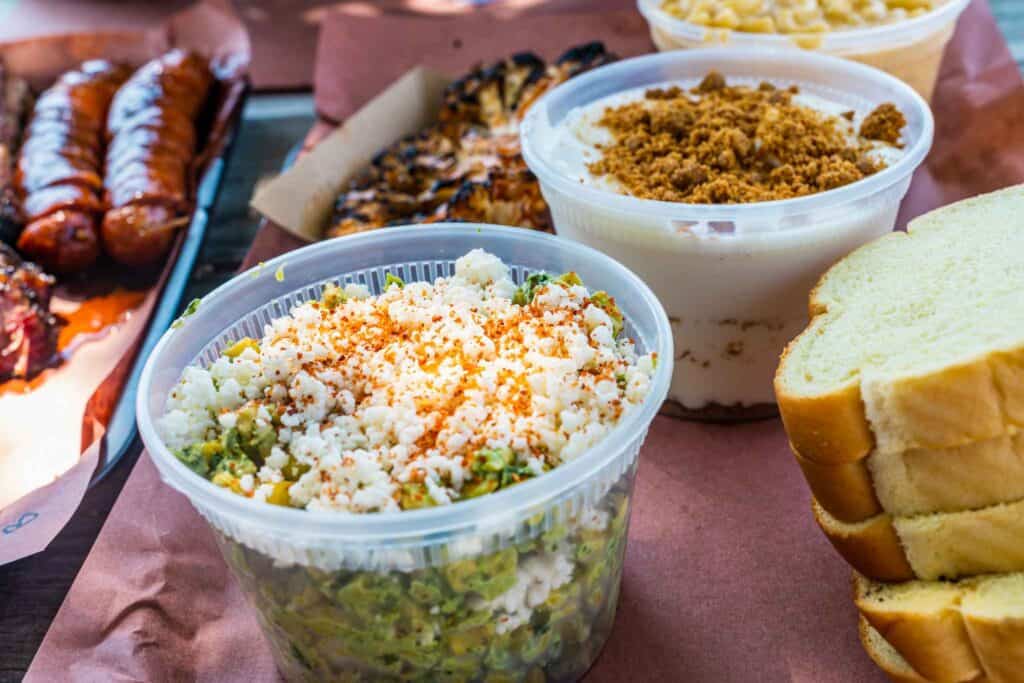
[847, 72]
[845, 40]
[395, 526]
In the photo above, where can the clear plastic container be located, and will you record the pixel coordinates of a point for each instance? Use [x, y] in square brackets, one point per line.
[910, 50]
[433, 594]
[734, 278]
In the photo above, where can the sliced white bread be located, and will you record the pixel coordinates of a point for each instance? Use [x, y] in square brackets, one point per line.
[969, 477]
[916, 340]
[922, 621]
[886, 657]
[994, 612]
[946, 545]
[921, 481]
[951, 632]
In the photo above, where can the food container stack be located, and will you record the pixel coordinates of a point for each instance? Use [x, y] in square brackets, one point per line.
[903, 402]
[905, 38]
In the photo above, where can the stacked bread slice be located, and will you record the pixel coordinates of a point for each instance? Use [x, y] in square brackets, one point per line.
[965, 631]
[904, 405]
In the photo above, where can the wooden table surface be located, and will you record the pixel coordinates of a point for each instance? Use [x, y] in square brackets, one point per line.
[32, 590]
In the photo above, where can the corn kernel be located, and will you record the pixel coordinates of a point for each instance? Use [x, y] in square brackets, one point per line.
[800, 17]
[279, 495]
[239, 347]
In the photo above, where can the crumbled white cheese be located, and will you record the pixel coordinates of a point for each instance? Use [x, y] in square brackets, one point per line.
[536, 578]
[380, 393]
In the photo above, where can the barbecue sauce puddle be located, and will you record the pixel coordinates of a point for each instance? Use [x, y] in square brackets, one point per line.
[89, 311]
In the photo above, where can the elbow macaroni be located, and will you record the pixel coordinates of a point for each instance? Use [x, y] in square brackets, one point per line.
[795, 16]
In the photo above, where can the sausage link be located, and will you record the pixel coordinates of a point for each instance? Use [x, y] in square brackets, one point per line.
[65, 241]
[151, 129]
[59, 174]
[139, 234]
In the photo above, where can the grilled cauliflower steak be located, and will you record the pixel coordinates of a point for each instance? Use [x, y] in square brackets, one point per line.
[467, 166]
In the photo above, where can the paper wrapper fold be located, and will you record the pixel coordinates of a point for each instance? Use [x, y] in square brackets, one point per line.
[301, 199]
[726, 577]
[51, 437]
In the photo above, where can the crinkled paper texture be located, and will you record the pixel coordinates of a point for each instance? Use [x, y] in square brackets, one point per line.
[727, 577]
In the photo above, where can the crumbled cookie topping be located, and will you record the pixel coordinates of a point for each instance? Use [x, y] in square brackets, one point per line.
[723, 144]
[885, 124]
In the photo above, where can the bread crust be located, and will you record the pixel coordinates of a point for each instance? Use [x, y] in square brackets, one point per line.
[844, 490]
[958, 405]
[973, 401]
[1000, 646]
[931, 547]
[953, 637]
[871, 547]
[920, 481]
[829, 429]
[897, 671]
[936, 645]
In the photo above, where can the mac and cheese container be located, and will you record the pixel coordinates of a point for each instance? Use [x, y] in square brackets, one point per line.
[911, 49]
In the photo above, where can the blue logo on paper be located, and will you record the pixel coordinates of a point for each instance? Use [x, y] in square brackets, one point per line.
[25, 519]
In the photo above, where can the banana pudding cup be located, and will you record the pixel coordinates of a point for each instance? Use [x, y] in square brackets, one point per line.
[729, 180]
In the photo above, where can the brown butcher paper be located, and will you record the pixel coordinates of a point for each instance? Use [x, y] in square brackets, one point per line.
[726, 577]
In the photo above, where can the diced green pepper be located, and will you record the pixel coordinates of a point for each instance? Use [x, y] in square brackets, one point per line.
[470, 641]
[415, 495]
[490, 576]
[553, 537]
[234, 460]
[293, 469]
[525, 292]
[605, 302]
[479, 487]
[371, 596]
[590, 546]
[533, 646]
[333, 296]
[201, 458]
[570, 278]
[427, 589]
[192, 307]
[458, 669]
[494, 468]
[514, 475]
[255, 441]
[492, 460]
